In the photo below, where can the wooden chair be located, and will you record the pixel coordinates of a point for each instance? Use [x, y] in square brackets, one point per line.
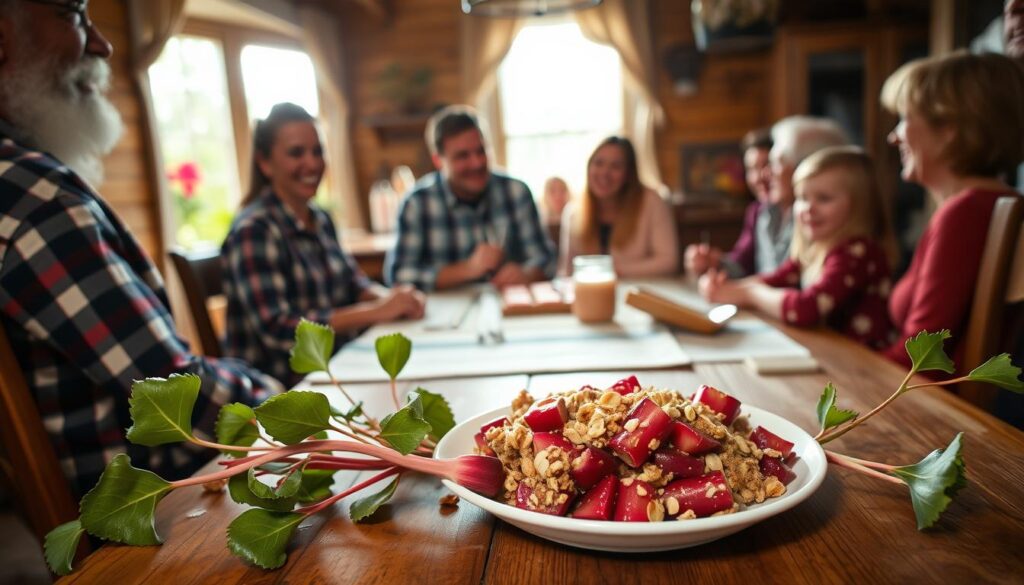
[200, 274]
[996, 311]
[29, 461]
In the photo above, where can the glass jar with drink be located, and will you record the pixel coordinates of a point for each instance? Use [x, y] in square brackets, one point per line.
[594, 282]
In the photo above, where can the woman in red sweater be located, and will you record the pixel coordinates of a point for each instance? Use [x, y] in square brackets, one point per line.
[961, 128]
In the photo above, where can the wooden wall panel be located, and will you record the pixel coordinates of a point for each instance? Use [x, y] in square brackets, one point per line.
[127, 186]
[733, 94]
[419, 33]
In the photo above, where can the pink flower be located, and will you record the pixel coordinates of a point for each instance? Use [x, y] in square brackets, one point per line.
[188, 175]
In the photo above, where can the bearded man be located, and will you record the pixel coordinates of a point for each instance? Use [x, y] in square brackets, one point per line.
[81, 302]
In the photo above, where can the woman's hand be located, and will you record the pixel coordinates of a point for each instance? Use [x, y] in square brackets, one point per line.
[402, 302]
[699, 258]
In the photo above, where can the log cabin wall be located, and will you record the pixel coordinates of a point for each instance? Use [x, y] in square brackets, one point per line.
[733, 94]
[127, 185]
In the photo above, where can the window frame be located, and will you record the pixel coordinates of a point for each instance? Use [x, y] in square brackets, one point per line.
[233, 38]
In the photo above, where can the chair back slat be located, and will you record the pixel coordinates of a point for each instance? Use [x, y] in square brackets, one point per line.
[38, 482]
[200, 276]
[986, 334]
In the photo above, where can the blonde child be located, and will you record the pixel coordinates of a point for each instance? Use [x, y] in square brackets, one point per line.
[838, 270]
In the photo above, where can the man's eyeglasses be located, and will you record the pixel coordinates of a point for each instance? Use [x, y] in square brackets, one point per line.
[76, 10]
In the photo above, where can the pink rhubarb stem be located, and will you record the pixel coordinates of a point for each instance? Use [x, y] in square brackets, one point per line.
[394, 394]
[439, 468]
[313, 509]
[844, 461]
[836, 433]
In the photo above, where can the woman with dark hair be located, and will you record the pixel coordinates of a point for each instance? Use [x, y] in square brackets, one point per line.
[282, 260]
[617, 215]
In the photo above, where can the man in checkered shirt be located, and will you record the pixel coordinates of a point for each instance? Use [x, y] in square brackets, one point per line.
[464, 223]
[82, 304]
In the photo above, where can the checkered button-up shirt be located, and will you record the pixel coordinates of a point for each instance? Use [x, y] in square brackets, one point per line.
[435, 229]
[86, 314]
[277, 271]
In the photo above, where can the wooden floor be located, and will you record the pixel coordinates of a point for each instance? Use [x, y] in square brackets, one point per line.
[21, 560]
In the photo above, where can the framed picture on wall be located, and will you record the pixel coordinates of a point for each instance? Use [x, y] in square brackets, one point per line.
[713, 171]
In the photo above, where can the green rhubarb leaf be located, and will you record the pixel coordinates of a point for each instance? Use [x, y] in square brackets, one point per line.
[236, 425]
[404, 429]
[365, 507]
[999, 371]
[161, 409]
[60, 546]
[934, 481]
[314, 344]
[261, 536]
[295, 415]
[926, 352]
[285, 489]
[828, 415]
[121, 506]
[238, 489]
[316, 485]
[393, 352]
[437, 412]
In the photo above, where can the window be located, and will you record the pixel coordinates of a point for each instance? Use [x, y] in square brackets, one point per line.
[188, 84]
[561, 94]
[191, 82]
[263, 71]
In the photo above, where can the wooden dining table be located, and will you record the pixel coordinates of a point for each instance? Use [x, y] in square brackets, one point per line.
[854, 529]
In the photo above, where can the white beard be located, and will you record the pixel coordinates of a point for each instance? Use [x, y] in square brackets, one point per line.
[51, 112]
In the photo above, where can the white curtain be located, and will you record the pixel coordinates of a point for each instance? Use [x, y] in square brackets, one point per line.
[324, 48]
[152, 24]
[625, 25]
[485, 42]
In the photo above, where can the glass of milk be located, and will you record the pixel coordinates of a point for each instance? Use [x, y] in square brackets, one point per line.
[594, 282]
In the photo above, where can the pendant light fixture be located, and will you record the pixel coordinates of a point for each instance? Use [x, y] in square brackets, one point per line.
[515, 8]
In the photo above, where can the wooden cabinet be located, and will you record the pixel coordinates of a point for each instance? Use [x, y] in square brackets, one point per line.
[838, 69]
[719, 225]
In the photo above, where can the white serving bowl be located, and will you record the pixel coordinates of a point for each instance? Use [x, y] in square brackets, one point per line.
[643, 536]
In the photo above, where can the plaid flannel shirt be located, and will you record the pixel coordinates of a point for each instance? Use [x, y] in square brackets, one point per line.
[275, 273]
[435, 229]
[86, 313]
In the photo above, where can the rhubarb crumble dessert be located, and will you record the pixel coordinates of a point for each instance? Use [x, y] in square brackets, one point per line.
[635, 454]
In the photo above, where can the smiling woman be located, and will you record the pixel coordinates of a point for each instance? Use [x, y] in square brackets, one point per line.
[282, 259]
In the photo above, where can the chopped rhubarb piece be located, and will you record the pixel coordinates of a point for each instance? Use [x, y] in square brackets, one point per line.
[494, 423]
[642, 432]
[719, 402]
[592, 465]
[523, 493]
[677, 463]
[542, 441]
[633, 498]
[626, 385]
[775, 466]
[766, 439]
[547, 415]
[689, 440]
[482, 446]
[599, 502]
[705, 495]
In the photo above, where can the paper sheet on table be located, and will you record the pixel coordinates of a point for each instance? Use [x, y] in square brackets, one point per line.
[548, 343]
[744, 336]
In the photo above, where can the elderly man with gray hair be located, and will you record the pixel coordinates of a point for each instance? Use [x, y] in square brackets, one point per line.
[794, 139]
